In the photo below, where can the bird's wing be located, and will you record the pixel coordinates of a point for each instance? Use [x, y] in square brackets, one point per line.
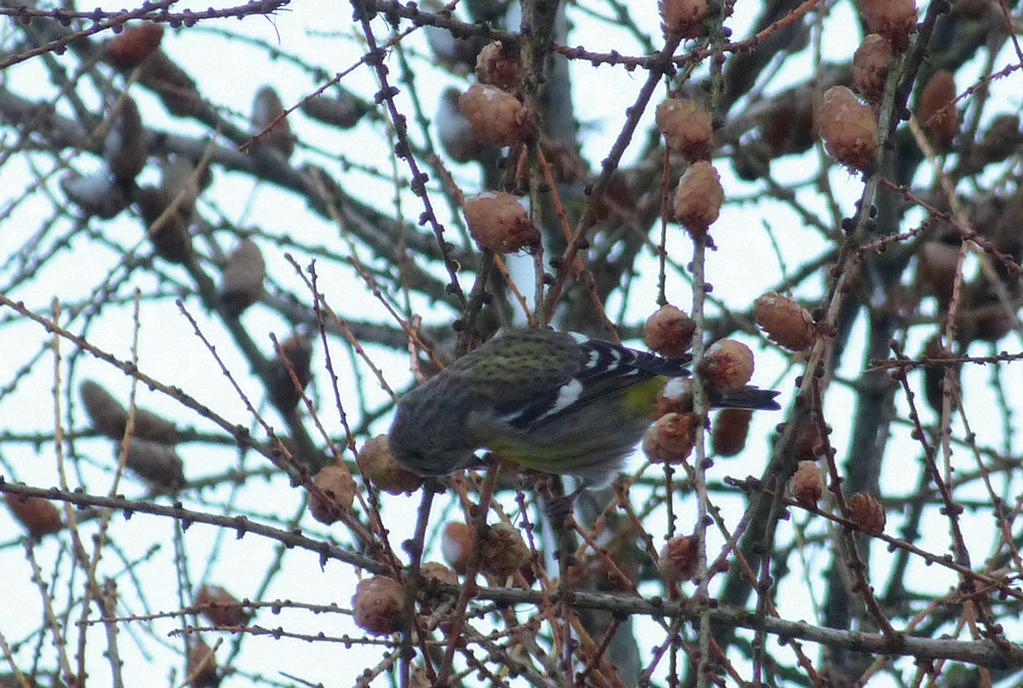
[593, 370]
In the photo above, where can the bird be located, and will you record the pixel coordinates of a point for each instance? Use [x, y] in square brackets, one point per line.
[554, 402]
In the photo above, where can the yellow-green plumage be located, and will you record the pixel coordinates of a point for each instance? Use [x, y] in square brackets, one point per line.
[641, 398]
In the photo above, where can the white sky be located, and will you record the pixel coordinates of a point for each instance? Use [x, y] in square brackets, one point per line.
[321, 33]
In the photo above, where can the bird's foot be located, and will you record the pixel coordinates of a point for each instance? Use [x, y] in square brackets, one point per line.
[560, 508]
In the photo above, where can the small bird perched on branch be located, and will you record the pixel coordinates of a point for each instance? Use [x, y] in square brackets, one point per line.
[550, 401]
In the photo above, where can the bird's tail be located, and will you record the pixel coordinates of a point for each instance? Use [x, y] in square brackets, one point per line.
[747, 397]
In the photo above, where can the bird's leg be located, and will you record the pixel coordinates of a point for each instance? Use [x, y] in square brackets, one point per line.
[559, 511]
[436, 485]
[559, 508]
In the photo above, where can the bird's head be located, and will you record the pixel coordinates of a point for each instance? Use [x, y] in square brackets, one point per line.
[428, 439]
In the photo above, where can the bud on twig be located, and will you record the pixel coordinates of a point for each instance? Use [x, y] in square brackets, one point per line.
[784, 321]
[679, 558]
[39, 516]
[157, 464]
[497, 117]
[242, 282]
[499, 66]
[177, 90]
[728, 364]
[686, 127]
[731, 426]
[295, 356]
[455, 544]
[499, 222]
[671, 439]
[502, 550]
[698, 198]
[221, 607]
[669, 331]
[683, 17]
[378, 465]
[434, 570]
[870, 66]
[167, 230]
[893, 19]
[807, 484]
[339, 488]
[937, 111]
[377, 604]
[110, 418]
[340, 109]
[202, 665]
[849, 129]
[867, 513]
[133, 45]
[268, 109]
[124, 147]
